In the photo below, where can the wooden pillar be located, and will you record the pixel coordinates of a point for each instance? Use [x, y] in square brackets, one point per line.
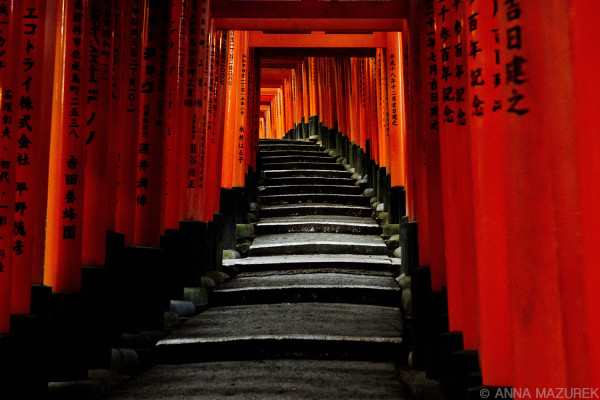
[456, 171]
[220, 102]
[116, 104]
[227, 169]
[67, 155]
[383, 127]
[10, 24]
[488, 162]
[214, 137]
[305, 91]
[240, 152]
[128, 121]
[98, 170]
[425, 78]
[152, 124]
[584, 360]
[395, 92]
[178, 42]
[547, 171]
[193, 127]
[30, 127]
[313, 87]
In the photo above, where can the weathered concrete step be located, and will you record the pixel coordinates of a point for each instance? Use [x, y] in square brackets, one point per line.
[309, 180]
[296, 198]
[297, 159]
[294, 173]
[331, 166]
[317, 243]
[291, 330]
[301, 152]
[284, 210]
[307, 286]
[321, 262]
[266, 380]
[289, 145]
[306, 189]
[284, 141]
[328, 224]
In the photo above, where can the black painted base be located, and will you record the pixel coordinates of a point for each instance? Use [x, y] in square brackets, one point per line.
[22, 367]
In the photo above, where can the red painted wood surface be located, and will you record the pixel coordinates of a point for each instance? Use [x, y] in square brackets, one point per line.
[456, 171]
[178, 42]
[541, 201]
[397, 125]
[229, 131]
[426, 76]
[240, 131]
[583, 27]
[9, 72]
[128, 121]
[67, 156]
[99, 173]
[152, 123]
[31, 165]
[489, 159]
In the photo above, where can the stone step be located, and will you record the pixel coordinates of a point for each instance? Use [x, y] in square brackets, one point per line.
[323, 158]
[318, 262]
[268, 140]
[303, 165]
[287, 330]
[304, 173]
[289, 145]
[317, 243]
[307, 189]
[284, 210]
[301, 152]
[306, 286]
[350, 199]
[328, 224]
[266, 380]
[309, 180]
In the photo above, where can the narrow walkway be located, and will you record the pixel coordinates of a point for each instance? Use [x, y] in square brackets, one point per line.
[311, 313]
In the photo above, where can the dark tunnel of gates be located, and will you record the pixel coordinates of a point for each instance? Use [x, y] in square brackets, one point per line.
[481, 118]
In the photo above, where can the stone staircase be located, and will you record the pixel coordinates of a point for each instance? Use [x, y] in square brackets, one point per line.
[313, 312]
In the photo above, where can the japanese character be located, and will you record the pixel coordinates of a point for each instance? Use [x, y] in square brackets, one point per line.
[70, 196]
[514, 100]
[69, 232]
[514, 70]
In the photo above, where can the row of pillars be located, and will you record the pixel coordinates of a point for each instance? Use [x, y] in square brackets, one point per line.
[504, 191]
[128, 118]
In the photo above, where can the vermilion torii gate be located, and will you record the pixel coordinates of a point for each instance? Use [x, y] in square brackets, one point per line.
[142, 118]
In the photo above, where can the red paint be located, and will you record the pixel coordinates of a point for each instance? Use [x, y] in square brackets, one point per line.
[67, 157]
[488, 157]
[152, 124]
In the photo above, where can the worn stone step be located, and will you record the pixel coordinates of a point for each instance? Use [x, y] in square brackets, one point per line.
[301, 152]
[324, 158]
[290, 330]
[266, 380]
[297, 198]
[309, 180]
[299, 173]
[304, 165]
[317, 243]
[289, 145]
[307, 189]
[320, 262]
[284, 210]
[271, 140]
[306, 286]
[328, 224]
